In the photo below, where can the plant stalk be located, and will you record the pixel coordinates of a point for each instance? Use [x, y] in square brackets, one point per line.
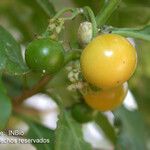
[106, 12]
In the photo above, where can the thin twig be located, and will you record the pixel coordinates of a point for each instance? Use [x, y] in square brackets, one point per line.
[106, 12]
[34, 90]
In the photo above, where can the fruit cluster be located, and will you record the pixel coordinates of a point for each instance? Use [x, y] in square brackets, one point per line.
[108, 62]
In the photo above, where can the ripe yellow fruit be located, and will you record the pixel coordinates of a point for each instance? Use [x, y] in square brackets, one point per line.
[108, 61]
[105, 100]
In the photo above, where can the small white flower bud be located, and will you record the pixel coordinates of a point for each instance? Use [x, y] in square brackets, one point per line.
[58, 29]
[85, 33]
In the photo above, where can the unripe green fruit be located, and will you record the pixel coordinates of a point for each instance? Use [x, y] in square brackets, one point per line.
[82, 113]
[44, 55]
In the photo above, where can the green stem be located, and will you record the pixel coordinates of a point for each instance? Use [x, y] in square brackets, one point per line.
[131, 33]
[72, 55]
[62, 12]
[34, 90]
[108, 129]
[75, 12]
[106, 12]
[92, 17]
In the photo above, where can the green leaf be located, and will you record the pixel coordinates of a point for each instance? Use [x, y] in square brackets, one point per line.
[132, 133]
[14, 18]
[5, 107]
[69, 134]
[108, 129]
[24, 18]
[11, 61]
[140, 33]
[47, 6]
[13, 84]
[38, 131]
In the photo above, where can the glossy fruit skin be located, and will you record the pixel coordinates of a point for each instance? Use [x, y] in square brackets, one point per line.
[82, 113]
[44, 55]
[108, 60]
[105, 100]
